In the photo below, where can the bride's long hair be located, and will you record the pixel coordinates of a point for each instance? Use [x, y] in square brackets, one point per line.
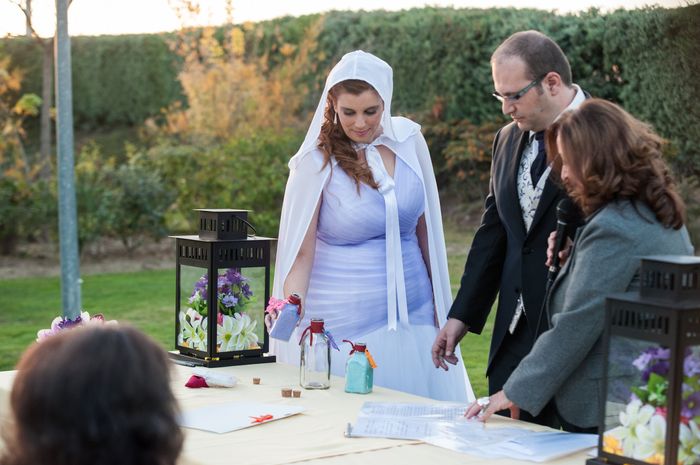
[333, 140]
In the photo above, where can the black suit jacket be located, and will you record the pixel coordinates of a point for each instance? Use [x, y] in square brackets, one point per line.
[505, 259]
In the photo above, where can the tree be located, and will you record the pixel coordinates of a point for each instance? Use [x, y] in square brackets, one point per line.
[46, 47]
[17, 177]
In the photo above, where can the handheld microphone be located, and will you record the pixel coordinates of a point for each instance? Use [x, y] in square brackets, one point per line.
[567, 218]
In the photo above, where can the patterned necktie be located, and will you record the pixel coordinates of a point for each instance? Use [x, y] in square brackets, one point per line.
[540, 162]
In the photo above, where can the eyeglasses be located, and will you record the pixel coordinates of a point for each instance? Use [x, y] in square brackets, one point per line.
[519, 94]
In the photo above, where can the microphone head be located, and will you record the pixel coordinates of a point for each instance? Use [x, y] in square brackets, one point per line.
[567, 211]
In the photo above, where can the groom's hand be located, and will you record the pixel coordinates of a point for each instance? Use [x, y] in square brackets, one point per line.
[444, 346]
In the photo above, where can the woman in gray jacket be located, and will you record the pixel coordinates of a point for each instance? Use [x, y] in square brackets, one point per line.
[611, 165]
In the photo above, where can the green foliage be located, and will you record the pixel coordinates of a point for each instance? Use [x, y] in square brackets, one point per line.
[245, 172]
[25, 209]
[656, 56]
[640, 58]
[461, 155]
[116, 79]
[654, 392]
[126, 202]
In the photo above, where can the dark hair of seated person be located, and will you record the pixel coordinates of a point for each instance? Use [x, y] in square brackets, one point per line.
[97, 395]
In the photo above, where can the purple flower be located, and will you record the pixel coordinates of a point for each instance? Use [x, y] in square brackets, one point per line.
[246, 290]
[229, 301]
[66, 323]
[661, 367]
[691, 365]
[653, 360]
[200, 286]
[691, 406]
[642, 361]
[232, 289]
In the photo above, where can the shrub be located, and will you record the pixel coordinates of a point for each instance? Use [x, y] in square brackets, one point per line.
[245, 172]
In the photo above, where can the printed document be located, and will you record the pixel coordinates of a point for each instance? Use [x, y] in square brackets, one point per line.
[444, 425]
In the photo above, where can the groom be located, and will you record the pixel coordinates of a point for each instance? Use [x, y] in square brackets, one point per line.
[532, 81]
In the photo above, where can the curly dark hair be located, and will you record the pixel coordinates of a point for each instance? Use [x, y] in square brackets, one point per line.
[98, 395]
[334, 141]
[614, 156]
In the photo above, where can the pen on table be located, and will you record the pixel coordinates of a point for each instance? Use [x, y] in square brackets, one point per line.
[261, 418]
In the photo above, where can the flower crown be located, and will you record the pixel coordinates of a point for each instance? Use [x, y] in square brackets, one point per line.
[61, 323]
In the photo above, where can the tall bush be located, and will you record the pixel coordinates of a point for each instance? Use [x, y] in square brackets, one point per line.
[127, 202]
[243, 172]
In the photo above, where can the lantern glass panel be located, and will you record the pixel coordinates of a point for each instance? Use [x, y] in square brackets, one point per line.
[241, 306]
[689, 429]
[192, 318]
[637, 399]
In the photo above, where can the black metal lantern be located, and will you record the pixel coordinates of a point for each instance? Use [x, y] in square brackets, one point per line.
[220, 321]
[651, 409]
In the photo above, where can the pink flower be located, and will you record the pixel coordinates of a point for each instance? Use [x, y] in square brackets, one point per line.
[60, 324]
[275, 305]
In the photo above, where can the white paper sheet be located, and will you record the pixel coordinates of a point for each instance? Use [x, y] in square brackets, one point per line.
[414, 411]
[544, 446]
[444, 425]
[223, 418]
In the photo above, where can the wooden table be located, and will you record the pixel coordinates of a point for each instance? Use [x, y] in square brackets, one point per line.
[316, 436]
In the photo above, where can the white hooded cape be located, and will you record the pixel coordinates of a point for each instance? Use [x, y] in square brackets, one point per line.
[308, 177]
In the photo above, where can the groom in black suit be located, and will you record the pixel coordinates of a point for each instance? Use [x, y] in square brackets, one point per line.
[532, 81]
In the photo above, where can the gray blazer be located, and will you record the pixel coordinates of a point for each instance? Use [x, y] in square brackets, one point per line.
[566, 363]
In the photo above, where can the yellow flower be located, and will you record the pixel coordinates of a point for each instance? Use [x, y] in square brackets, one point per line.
[611, 445]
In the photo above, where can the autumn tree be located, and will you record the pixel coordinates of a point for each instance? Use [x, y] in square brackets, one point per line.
[45, 45]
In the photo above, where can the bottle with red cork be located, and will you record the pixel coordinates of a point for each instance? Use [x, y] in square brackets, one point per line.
[315, 364]
[359, 369]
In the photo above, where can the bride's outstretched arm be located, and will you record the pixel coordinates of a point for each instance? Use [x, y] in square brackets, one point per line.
[298, 278]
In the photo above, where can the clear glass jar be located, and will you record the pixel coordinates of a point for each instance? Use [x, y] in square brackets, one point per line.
[315, 364]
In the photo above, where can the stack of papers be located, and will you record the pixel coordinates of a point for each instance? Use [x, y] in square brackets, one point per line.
[444, 425]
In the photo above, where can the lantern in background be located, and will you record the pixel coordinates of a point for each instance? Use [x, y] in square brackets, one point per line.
[651, 412]
[222, 288]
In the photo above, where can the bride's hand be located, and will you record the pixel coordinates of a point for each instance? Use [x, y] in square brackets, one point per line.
[270, 318]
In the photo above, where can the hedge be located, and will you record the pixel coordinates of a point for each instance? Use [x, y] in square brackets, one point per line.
[647, 60]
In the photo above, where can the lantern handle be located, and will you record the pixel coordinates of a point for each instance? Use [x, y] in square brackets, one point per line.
[255, 233]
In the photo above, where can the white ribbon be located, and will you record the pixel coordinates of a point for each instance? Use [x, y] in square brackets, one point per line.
[395, 283]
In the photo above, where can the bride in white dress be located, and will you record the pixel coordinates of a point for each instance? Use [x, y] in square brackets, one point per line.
[361, 236]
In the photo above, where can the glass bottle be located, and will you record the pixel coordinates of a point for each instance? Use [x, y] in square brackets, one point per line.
[359, 369]
[315, 369]
[287, 319]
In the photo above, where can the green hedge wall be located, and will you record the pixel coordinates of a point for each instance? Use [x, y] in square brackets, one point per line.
[658, 55]
[117, 80]
[647, 60]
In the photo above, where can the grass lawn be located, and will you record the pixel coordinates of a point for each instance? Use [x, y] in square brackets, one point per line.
[146, 300]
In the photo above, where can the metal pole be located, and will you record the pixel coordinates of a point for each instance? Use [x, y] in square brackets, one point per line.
[67, 212]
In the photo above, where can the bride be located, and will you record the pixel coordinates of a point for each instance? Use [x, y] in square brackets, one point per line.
[361, 237]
